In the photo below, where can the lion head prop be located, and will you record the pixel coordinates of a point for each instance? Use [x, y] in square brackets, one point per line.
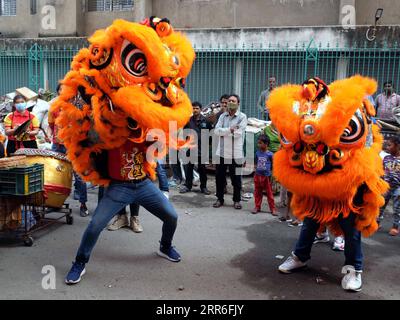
[330, 151]
[128, 82]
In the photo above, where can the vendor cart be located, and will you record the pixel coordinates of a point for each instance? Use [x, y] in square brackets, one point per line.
[22, 202]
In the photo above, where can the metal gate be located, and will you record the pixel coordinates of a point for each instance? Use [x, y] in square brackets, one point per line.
[35, 68]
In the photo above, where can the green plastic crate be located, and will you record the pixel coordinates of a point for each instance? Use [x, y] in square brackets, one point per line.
[22, 181]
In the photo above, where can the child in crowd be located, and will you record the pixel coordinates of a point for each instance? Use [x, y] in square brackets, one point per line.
[391, 164]
[262, 178]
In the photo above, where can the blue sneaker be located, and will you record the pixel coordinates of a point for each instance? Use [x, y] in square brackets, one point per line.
[170, 254]
[75, 275]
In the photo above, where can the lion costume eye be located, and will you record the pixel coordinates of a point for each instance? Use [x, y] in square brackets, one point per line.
[134, 60]
[355, 130]
[176, 60]
[285, 141]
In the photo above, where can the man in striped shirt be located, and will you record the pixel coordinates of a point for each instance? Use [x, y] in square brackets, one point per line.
[386, 102]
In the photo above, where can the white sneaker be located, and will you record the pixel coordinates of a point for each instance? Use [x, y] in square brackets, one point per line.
[338, 245]
[135, 225]
[119, 223]
[166, 194]
[352, 280]
[322, 238]
[292, 263]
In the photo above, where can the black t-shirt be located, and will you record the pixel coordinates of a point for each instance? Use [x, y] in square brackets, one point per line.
[198, 125]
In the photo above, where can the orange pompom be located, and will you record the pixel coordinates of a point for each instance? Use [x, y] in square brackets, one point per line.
[309, 92]
[163, 29]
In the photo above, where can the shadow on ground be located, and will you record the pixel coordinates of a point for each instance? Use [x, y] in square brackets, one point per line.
[322, 278]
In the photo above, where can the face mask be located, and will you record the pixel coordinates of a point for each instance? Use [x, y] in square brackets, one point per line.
[233, 107]
[21, 107]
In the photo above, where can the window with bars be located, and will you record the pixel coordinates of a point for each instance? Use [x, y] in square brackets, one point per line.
[33, 7]
[110, 5]
[8, 7]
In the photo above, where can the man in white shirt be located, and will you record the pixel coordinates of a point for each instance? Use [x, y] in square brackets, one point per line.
[231, 130]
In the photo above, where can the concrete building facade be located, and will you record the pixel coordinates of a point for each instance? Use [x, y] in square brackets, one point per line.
[73, 17]
[65, 18]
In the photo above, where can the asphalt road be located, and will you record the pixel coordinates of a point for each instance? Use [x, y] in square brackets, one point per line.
[227, 254]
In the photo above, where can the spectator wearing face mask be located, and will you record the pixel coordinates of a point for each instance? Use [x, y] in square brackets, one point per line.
[14, 120]
[230, 131]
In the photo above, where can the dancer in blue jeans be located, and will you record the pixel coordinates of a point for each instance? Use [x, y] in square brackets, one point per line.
[353, 266]
[353, 253]
[118, 196]
[129, 184]
[122, 219]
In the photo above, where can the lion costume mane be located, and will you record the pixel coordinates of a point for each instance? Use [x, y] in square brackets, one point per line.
[330, 157]
[128, 82]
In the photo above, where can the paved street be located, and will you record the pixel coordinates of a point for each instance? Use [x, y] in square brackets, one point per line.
[227, 254]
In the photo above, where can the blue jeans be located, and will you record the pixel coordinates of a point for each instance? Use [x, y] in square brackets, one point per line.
[352, 237]
[134, 208]
[80, 188]
[80, 185]
[395, 194]
[162, 177]
[163, 185]
[117, 196]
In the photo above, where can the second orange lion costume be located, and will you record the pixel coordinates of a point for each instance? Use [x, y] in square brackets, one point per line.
[330, 151]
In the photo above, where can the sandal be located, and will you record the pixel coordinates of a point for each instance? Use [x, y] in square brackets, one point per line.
[238, 206]
[218, 204]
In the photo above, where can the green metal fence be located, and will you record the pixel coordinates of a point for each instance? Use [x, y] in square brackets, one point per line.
[34, 66]
[223, 69]
[245, 70]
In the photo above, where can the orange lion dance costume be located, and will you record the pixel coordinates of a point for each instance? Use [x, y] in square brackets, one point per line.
[128, 84]
[330, 152]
